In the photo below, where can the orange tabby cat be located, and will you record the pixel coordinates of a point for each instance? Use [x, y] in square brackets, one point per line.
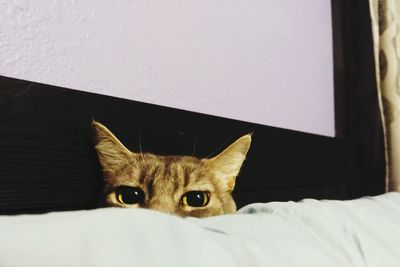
[180, 185]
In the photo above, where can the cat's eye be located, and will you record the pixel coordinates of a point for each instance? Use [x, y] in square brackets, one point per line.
[129, 195]
[196, 198]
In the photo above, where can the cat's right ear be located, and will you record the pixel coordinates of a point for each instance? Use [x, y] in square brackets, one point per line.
[227, 164]
[113, 155]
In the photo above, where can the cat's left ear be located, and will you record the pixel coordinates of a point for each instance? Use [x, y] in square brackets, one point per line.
[227, 164]
[113, 155]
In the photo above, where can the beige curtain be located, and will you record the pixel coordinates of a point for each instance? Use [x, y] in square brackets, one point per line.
[385, 15]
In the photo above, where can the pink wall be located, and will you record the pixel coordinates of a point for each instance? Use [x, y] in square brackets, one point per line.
[268, 62]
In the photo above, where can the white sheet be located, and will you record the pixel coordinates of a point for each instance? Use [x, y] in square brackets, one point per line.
[363, 232]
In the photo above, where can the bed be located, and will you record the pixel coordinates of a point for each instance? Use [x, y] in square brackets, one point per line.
[363, 232]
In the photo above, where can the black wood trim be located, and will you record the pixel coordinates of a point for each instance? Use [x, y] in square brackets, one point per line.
[47, 160]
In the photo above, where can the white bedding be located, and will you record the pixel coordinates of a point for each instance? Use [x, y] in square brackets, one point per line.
[363, 232]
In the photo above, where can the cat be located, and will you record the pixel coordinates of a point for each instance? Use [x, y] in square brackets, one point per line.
[181, 185]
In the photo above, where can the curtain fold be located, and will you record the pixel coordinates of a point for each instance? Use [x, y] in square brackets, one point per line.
[385, 17]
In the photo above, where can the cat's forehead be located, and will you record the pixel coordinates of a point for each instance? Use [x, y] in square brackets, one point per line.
[171, 161]
[184, 169]
[167, 173]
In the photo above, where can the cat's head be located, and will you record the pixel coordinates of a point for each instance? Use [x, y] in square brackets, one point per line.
[180, 185]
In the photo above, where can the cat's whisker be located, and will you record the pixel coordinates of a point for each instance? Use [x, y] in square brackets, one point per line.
[194, 144]
[197, 165]
[136, 164]
[140, 150]
[219, 148]
[213, 152]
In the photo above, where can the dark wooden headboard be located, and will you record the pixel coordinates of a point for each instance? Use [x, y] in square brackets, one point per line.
[47, 160]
